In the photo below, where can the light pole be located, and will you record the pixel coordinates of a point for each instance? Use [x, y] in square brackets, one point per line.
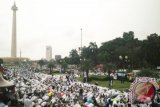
[81, 40]
[81, 60]
[123, 62]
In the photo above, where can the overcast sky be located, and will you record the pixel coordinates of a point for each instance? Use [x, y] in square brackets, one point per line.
[57, 23]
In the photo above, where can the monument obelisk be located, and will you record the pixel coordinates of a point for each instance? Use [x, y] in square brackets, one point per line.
[14, 38]
[14, 57]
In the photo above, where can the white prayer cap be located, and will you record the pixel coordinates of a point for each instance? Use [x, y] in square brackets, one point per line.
[22, 89]
[64, 96]
[39, 101]
[53, 100]
[45, 98]
[33, 103]
[38, 106]
[76, 105]
[90, 105]
[44, 104]
[33, 98]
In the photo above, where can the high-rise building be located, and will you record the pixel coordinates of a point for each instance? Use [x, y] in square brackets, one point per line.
[14, 39]
[48, 53]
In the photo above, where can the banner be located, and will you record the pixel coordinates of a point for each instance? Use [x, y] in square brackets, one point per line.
[143, 90]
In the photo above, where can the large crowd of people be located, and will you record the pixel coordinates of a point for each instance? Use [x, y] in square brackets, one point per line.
[42, 90]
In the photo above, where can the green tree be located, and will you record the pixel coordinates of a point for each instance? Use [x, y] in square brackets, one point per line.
[51, 65]
[1, 61]
[90, 53]
[129, 46]
[64, 64]
[41, 63]
[128, 36]
[89, 58]
[151, 50]
[149, 73]
[85, 67]
[140, 53]
[74, 58]
[93, 53]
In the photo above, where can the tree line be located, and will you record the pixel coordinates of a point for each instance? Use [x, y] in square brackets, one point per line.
[126, 52]
[122, 52]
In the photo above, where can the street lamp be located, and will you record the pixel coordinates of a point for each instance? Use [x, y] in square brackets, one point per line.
[126, 57]
[81, 39]
[123, 61]
[120, 57]
[81, 60]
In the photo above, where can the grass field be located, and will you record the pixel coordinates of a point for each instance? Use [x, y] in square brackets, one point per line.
[103, 81]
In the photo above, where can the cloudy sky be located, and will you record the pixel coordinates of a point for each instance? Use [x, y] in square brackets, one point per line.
[57, 23]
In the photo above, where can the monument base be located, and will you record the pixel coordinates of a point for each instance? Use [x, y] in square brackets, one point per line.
[13, 59]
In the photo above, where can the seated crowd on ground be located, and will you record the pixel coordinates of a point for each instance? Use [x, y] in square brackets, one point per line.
[43, 90]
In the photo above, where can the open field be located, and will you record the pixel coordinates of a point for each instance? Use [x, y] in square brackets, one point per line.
[103, 81]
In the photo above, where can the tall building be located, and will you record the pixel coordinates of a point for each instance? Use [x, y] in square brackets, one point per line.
[14, 38]
[48, 53]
